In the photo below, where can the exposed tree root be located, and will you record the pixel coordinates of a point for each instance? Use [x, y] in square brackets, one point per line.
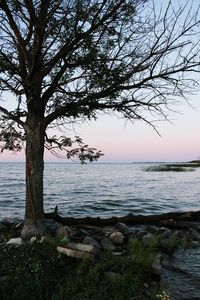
[172, 219]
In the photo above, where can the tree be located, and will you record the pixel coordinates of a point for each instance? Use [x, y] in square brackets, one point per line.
[66, 61]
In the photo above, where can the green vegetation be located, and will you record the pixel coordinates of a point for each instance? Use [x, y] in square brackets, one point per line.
[178, 167]
[38, 271]
[170, 244]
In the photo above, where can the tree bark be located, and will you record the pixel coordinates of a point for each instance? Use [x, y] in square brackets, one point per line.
[34, 224]
[170, 218]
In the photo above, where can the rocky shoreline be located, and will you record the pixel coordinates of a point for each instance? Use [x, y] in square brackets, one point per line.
[86, 241]
[108, 237]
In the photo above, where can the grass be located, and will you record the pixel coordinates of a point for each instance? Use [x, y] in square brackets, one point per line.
[173, 168]
[38, 271]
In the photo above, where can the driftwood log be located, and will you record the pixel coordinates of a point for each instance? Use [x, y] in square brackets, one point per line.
[172, 219]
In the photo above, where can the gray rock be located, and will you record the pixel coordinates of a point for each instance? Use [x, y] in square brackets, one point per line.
[141, 233]
[194, 234]
[15, 241]
[63, 231]
[123, 228]
[156, 266]
[90, 241]
[170, 244]
[162, 230]
[165, 234]
[149, 239]
[81, 233]
[195, 244]
[133, 235]
[152, 229]
[51, 225]
[117, 237]
[181, 234]
[77, 233]
[108, 245]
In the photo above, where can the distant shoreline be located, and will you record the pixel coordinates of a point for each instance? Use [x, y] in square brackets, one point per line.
[110, 163]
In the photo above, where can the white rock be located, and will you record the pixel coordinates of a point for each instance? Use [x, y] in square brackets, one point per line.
[83, 247]
[43, 238]
[33, 239]
[75, 253]
[15, 241]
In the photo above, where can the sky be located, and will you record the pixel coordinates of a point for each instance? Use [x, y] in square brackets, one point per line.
[121, 141]
[179, 139]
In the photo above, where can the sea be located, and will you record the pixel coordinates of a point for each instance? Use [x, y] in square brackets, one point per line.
[101, 190]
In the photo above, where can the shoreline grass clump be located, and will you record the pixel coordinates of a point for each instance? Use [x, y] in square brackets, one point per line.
[170, 168]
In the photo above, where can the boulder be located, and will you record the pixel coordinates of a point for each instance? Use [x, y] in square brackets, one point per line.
[123, 228]
[156, 266]
[152, 229]
[149, 239]
[81, 233]
[63, 231]
[90, 241]
[164, 233]
[194, 234]
[170, 244]
[117, 237]
[140, 233]
[76, 233]
[108, 244]
[163, 230]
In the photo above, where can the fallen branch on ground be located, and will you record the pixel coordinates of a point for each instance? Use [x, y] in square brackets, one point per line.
[166, 219]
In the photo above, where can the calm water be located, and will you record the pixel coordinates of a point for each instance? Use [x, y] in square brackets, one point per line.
[102, 189]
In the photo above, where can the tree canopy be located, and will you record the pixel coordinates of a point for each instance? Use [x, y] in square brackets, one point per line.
[71, 59]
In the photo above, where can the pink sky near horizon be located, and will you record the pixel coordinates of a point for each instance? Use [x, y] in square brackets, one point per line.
[127, 142]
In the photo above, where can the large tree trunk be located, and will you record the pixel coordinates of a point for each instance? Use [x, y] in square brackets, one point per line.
[34, 224]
